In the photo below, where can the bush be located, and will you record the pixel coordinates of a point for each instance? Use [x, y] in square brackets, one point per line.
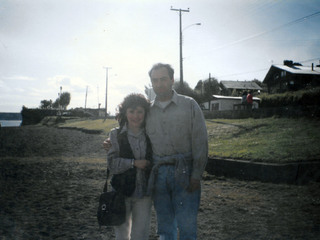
[299, 98]
[34, 116]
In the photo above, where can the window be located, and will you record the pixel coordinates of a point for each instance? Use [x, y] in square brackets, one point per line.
[215, 106]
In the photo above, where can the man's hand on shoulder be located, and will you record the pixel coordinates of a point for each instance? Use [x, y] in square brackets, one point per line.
[107, 144]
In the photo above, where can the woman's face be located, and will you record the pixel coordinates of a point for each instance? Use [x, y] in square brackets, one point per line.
[135, 117]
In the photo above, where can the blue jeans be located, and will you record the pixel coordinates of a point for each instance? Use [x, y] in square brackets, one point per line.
[175, 207]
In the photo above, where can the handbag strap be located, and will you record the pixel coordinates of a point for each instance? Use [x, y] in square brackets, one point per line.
[105, 187]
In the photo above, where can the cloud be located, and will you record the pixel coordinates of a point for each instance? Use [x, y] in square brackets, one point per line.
[19, 78]
[68, 83]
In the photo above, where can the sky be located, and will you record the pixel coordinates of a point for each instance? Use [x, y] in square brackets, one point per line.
[48, 44]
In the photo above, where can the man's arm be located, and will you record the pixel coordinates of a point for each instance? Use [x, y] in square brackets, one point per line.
[199, 146]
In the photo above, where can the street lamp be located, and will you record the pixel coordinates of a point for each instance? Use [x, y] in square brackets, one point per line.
[190, 26]
[181, 58]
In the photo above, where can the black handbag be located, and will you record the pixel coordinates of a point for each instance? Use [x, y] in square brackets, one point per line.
[112, 209]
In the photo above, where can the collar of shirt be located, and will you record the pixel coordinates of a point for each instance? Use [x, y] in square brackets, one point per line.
[136, 135]
[174, 99]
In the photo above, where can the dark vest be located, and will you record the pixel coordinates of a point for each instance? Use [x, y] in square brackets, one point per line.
[125, 148]
[126, 182]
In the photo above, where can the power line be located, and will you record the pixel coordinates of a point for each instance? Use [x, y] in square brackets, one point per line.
[236, 74]
[310, 60]
[242, 73]
[258, 7]
[268, 31]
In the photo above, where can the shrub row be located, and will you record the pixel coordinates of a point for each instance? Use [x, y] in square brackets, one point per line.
[34, 116]
[31, 116]
[310, 97]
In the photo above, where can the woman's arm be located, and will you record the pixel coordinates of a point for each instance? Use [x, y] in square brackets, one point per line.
[116, 164]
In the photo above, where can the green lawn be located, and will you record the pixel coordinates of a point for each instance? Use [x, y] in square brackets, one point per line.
[277, 140]
[98, 124]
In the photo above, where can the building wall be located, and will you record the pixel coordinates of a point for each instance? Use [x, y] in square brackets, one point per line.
[205, 105]
[225, 104]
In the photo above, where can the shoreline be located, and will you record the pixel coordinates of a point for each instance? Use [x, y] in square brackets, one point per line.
[10, 123]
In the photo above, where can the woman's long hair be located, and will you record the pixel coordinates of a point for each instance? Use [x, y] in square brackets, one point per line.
[133, 100]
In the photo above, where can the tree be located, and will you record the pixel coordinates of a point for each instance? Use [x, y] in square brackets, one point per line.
[56, 104]
[206, 89]
[199, 87]
[258, 82]
[62, 101]
[261, 84]
[65, 98]
[185, 90]
[46, 104]
[235, 93]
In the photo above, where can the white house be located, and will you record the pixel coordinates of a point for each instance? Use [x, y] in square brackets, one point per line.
[222, 103]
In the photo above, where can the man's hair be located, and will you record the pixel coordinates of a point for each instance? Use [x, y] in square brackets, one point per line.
[133, 100]
[161, 65]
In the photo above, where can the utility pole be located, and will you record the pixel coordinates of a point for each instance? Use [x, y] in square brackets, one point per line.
[60, 108]
[106, 112]
[85, 103]
[210, 93]
[210, 82]
[180, 35]
[98, 97]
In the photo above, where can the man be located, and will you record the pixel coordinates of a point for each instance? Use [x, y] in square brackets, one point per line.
[178, 134]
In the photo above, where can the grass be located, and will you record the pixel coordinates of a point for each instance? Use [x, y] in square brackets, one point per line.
[274, 140]
[97, 124]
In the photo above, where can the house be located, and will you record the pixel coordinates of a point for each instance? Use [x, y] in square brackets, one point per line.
[291, 76]
[228, 87]
[222, 103]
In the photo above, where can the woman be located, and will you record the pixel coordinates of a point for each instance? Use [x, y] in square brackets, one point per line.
[131, 148]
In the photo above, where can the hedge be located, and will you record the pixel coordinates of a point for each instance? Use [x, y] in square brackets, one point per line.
[309, 97]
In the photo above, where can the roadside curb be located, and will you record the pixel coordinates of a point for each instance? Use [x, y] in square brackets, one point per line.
[291, 173]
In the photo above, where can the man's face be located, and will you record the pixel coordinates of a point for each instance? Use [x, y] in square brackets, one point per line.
[162, 84]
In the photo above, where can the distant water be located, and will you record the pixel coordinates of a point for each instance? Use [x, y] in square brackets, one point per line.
[10, 123]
